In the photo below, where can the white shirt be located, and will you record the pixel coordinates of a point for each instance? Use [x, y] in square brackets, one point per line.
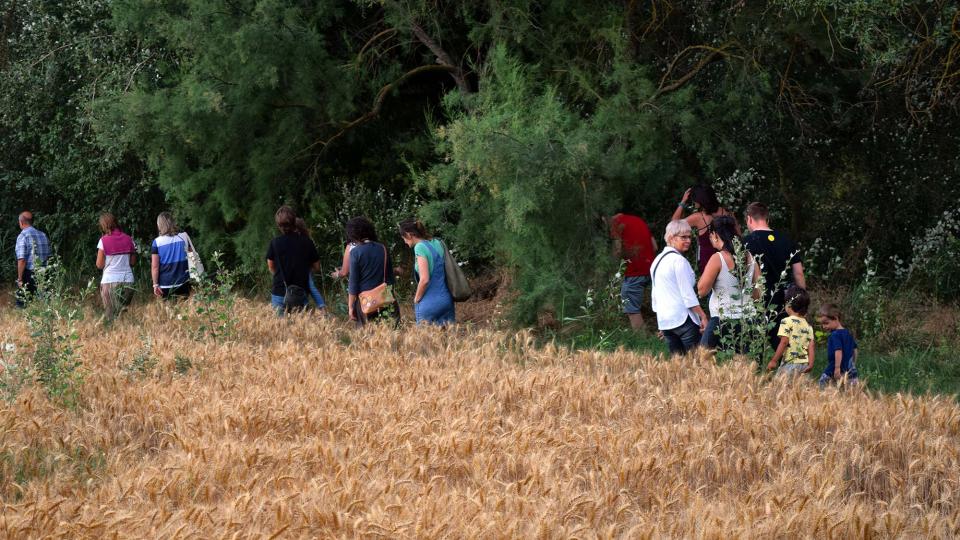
[116, 268]
[673, 291]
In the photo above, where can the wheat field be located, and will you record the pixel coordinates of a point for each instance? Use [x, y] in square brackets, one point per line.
[305, 427]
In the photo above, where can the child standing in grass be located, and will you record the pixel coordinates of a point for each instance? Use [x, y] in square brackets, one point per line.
[841, 348]
[796, 348]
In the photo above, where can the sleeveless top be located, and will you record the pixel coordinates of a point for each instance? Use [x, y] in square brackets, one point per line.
[705, 250]
[728, 300]
[704, 247]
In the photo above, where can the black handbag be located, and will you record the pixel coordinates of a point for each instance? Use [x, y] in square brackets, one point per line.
[294, 296]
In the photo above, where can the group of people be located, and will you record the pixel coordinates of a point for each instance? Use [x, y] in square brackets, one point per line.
[291, 258]
[730, 282]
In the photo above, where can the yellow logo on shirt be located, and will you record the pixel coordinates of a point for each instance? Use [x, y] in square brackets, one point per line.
[770, 238]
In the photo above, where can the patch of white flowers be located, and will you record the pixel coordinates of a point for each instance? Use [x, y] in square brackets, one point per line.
[734, 190]
[931, 243]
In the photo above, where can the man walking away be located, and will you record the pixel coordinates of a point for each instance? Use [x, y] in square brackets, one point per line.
[776, 253]
[32, 248]
[633, 243]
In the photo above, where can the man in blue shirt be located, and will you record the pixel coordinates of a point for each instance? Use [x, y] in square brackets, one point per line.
[32, 248]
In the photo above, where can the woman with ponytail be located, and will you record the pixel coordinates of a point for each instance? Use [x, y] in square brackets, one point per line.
[726, 283]
[432, 302]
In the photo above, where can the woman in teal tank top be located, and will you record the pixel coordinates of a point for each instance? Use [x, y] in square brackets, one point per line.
[432, 302]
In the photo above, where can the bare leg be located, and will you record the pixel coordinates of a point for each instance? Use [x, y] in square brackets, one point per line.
[636, 320]
[107, 295]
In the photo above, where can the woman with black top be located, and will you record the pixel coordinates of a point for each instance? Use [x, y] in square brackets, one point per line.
[291, 258]
[370, 266]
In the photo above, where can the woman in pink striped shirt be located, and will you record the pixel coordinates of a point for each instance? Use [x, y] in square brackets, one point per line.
[116, 255]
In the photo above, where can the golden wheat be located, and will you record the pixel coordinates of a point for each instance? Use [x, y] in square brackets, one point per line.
[307, 428]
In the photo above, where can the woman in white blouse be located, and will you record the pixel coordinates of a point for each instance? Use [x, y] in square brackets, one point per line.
[680, 318]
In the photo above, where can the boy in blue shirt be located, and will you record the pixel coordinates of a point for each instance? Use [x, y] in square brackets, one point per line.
[841, 348]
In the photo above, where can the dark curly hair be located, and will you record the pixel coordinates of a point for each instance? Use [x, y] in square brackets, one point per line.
[359, 229]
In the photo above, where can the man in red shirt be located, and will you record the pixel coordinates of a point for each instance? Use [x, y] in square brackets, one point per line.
[633, 243]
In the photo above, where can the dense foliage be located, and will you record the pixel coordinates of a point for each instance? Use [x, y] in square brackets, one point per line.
[517, 123]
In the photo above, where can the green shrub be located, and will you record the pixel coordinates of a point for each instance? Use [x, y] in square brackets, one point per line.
[51, 314]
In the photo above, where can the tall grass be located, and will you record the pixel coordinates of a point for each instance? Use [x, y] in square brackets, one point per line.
[303, 427]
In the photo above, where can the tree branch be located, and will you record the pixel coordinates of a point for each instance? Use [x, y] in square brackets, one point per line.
[664, 88]
[442, 57]
[378, 104]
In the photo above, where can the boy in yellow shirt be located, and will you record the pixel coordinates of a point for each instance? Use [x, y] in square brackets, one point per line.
[797, 346]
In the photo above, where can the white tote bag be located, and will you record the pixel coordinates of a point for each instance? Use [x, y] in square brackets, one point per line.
[194, 264]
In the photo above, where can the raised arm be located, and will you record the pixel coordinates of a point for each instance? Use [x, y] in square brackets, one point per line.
[678, 213]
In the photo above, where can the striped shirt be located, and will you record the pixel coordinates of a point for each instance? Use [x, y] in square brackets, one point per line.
[174, 270]
[32, 244]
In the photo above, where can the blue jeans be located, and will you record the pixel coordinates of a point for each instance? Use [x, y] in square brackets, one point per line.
[277, 302]
[710, 336]
[684, 338]
[315, 294]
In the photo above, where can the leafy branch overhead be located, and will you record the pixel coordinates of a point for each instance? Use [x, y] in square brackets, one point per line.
[516, 123]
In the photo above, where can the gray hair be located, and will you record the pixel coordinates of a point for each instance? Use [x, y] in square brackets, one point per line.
[677, 227]
[166, 225]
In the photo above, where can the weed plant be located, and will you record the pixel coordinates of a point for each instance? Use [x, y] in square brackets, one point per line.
[213, 302]
[51, 314]
[750, 335]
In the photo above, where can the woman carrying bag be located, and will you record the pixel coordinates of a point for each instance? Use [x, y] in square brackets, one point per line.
[370, 294]
[291, 257]
[432, 302]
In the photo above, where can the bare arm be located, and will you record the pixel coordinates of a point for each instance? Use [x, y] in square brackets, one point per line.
[653, 242]
[101, 259]
[344, 270]
[617, 248]
[798, 276]
[155, 273]
[837, 358]
[424, 270]
[351, 300]
[272, 266]
[811, 354]
[133, 260]
[678, 213]
[756, 277]
[21, 267]
[315, 266]
[709, 276]
[781, 348]
[703, 317]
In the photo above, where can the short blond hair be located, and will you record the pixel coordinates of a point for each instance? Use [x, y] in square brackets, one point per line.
[677, 227]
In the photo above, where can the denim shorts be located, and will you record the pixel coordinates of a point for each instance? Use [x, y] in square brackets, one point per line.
[631, 293]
